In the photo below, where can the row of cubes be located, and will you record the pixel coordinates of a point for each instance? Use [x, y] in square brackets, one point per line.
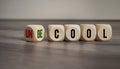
[69, 32]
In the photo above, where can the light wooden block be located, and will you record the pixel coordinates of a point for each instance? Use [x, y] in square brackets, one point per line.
[88, 32]
[104, 32]
[72, 32]
[56, 32]
[34, 32]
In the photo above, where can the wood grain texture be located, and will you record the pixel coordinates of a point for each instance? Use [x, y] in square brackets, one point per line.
[16, 53]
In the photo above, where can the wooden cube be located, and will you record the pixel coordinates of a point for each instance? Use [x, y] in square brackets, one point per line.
[88, 32]
[72, 32]
[104, 32]
[56, 32]
[34, 32]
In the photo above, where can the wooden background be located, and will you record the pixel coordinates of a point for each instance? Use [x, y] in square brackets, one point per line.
[16, 53]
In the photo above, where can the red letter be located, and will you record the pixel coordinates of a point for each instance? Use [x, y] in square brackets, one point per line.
[28, 33]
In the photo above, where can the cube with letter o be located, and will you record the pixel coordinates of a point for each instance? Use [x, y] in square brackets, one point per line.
[72, 32]
[88, 32]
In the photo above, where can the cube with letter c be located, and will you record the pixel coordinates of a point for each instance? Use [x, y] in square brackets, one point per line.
[56, 32]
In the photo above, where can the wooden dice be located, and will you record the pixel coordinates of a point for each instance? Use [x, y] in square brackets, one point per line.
[72, 32]
[56, 32]
[34, 32]
[69, 32]
[104, 32]
[88, 32]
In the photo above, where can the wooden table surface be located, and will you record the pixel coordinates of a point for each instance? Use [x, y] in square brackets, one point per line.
[16, 53]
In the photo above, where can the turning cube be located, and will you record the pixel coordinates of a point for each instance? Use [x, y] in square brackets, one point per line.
[104, 32]
[88, 32]
[72, 32]
[34, 32]
[56, 32]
